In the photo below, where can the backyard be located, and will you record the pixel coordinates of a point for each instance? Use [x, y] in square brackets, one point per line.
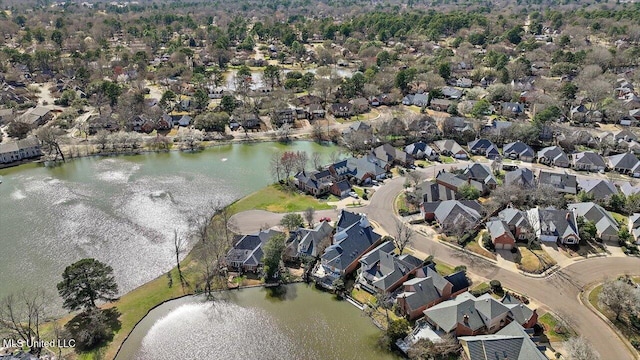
[276, 198]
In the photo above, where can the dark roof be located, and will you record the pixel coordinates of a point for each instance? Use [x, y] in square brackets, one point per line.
[521, 177]
[350, 244]
[598, 188]
[512, 343]
[561, 182]
[480, 145]
[435, 192]
[346, 219]
[382, 267]
[519, 148]
[553, 153]
[420, 291]
[626, 161]
[248, 248]
[459, 280]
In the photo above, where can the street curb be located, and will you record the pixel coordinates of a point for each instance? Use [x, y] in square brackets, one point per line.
[468, 252]
[586, 303]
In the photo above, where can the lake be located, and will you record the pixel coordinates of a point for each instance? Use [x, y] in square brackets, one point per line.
[298, 322]
[121, 210]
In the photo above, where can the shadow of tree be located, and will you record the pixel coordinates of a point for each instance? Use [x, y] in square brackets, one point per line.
[93, 328]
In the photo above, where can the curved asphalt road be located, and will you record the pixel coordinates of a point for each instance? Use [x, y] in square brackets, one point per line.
[559, 292]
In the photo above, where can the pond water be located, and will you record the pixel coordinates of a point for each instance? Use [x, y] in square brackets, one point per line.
[296, 322]
[121, 210]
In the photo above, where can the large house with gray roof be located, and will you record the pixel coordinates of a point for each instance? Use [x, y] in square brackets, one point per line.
[521, 177]
[427, 289]
[246, 253]
[517, 221]
[363, 169]
[432, 192]
[450, 148]
[553, 155]
[625, 163]
[452, 214]
[351, 241]
[382, 270]
[480, 173]
[606, 226]
[597, 189]
[316, 183]
[552, 225]
[513, 342]
[308, 242]
[588, 160]
[484, 147]
[501, 235]
[518, 151]
[391, 155]
[561, 182]
[467, 315]
[456, 182]
[420, 150]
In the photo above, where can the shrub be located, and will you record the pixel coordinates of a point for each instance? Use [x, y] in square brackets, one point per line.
[459, 268]
[496, 286]
[514, 250]
[487, 243]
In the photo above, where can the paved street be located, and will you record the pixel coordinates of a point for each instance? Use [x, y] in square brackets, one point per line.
[558, 292]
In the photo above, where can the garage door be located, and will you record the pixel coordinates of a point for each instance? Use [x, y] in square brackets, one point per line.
[499, 246]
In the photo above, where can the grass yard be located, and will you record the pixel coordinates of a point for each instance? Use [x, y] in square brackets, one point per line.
[423, 163]
[621, 219]
[534, 261]
[481, 288]
[474, 246]
[363, 296]
[625, 327]
[276, 199]
[444, 269]
[359, 191]
[553, 331]
[447, 159]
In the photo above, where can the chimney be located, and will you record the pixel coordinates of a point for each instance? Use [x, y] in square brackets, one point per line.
[465, 319]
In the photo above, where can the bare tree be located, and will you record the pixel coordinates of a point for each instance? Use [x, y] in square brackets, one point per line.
[21, 315]
[414, 178]
[276, 167]
[211, 254]
[618, 296]
[309, 214]
[316, 160]
[49, 138]
[404, 236]
[578, 348]
[179, 246]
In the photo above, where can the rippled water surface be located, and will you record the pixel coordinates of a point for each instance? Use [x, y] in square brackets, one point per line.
[120, 210]
[297, 323]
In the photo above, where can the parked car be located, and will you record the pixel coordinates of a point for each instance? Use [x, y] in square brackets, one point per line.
[353, 194]
[325, 219]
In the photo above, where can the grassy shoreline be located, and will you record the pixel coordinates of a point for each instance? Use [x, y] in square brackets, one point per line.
[137, 303]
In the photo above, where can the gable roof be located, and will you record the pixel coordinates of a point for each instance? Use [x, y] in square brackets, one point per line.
[458, 181]
[455, 211]
[522, 177]
[306, 241]
[382, 267]
[627, 189]
[512, 342]
[562, 182]
[420, 148]
[498, 228]
[480, 145]
[598, 188]
[350, 244]
[514, 217]
[519, 148]
[560, 223]
[248, 248]
[420, 291]
[605, 223]
[481, 173]
[435, 192]
[553, 153]
[589, 158]
[450, 146]
[625, 161]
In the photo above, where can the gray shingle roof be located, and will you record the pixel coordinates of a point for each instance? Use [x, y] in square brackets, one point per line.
[420, 291]
[521, 177]
[605, 223]
[589, 158]
[518, 148]
[511, 343]
[498, 228]
[382, 268]
[435, 192]
[598, 188]
[350, 244]
[626, 161]
[554, 154]
[562, 182]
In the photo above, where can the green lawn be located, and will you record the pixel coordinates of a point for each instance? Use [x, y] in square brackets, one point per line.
[362, 296]
[444, 269]
[550, 326]
[359, 191]
[534, 261]
[481, 288]
[621, 219]
[447, 159]
[423, 163]
[622, 324]
[276, 199]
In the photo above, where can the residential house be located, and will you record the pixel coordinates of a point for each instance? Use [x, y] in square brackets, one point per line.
[440, 104]
[627, 189]
[349, 244]
[340, 188]
[391, 155]
[501, 236]
[521, 177]
[306, 100]
[246, 253]
[450, 148]
[518, 223]
[360, 130]
[315, 111]
[11, 151]
[316, 183]
[451, 92]
[453, 214]
[551, 225]
[484, 147]
[579, 113]
[342, 110]
[606, 226]
[464, 83]
[480, 173]
[563, 183]
[308, 242]
[419, 99]
[284, 116]
[553, 156]
[420, 150]
[513, 342]
[382, 270]
[634, 227]
[360, 170]
[625, 163]
[466, 315]
[455, 182]
[624, 135]
[588, 160]
[432, 192]
[427, 289]
[518, 151]
[512, 109]
[36, 116]
[598, 189]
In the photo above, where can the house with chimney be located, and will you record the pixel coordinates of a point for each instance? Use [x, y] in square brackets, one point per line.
[382, 271]
[354, 237]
